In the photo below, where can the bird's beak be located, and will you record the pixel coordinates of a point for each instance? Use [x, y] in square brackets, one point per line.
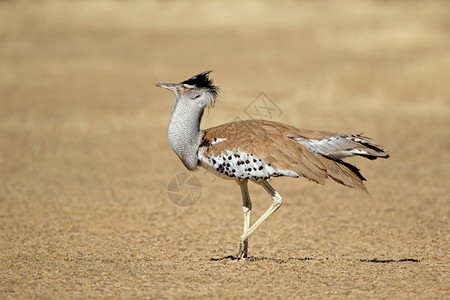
[170, 86]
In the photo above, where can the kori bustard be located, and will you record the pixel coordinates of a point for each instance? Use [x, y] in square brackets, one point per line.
[257, 150]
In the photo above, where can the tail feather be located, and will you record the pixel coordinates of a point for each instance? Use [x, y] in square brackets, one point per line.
[341, 146]
[344, 173]
[365, 148]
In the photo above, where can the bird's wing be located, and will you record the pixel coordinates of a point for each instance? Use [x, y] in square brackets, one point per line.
[277, 150]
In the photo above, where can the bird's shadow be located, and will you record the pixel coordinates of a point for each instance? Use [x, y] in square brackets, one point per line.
[255, 258]
[282, 261]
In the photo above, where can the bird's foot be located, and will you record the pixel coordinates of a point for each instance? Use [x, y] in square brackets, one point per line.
[242, 249]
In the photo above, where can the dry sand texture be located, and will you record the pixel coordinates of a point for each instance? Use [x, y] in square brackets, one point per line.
[85, 162]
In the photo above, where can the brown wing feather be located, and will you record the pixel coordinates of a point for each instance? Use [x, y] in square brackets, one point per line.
[274, 143]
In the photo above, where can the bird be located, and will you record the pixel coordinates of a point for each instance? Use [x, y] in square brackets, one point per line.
[258, 150]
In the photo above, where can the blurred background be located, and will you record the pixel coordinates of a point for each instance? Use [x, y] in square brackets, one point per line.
[85, 161]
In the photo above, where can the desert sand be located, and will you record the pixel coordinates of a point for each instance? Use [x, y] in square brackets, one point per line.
[85, 163]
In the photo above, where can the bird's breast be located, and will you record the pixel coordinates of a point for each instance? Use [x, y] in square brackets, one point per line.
[235, 164]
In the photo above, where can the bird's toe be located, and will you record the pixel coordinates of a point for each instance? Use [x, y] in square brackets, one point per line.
[242, 250]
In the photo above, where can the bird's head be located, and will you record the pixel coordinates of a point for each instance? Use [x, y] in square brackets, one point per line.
[199, 89]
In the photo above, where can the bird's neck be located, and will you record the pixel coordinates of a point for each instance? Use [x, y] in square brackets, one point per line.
[184, 132]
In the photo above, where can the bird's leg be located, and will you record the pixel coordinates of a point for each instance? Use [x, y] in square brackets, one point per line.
[247, 209]
[276, 203]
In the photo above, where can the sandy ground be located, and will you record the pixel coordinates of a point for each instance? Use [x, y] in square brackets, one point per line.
[85, 162]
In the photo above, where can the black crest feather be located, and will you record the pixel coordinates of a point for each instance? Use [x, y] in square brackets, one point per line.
[202, 80]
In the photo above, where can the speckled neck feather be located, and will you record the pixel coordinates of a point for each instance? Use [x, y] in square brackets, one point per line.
[184, 131]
